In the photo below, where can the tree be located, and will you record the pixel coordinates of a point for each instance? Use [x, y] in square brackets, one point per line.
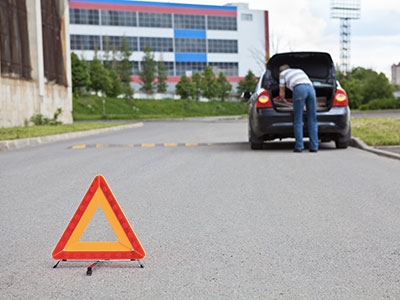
[111, 64]
[80, 73]
[148, 70]
[116, 85]
[363, 85]
[100, 77]
[224, 87]
[196, 79]
[125, 68]
[248, 84]
[106, 53]
[161, 76]
[208, 83]
[114, 61]
[185, 87]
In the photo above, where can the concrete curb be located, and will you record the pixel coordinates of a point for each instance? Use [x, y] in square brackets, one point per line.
[193, 119]
[358, 143]
[36, 141]
[200, 119]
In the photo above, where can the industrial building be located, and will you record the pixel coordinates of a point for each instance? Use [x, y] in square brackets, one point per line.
[229, 38]
[396, 74]
[35, 60]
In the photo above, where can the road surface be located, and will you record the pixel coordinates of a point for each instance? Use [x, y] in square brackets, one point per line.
[217, 220]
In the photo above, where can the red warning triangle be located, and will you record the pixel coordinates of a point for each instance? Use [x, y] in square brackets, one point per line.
[70, 246]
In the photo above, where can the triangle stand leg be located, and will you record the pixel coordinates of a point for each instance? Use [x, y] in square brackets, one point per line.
[56, 265]
[140, 263]
[89, 269]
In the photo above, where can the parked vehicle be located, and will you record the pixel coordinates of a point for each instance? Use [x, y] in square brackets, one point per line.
[270, 118]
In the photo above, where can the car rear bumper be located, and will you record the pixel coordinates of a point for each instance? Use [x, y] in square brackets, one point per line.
[270, 124]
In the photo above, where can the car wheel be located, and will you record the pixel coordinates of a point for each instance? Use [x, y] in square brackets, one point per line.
[256, 143]
[344, 141]
[255, 146]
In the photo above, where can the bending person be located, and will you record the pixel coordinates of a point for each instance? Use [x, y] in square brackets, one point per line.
[303, 93]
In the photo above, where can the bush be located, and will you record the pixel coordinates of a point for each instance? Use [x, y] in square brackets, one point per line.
[363, 85]
[39, 119]
[185, 88]
[386, 103]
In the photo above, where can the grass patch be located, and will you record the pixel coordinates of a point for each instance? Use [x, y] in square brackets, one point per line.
[377, 131]
[13, 133]
[90, 107]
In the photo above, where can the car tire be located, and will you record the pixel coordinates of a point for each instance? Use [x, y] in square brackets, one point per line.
[256, 143]
[344, 141]
[255, 146]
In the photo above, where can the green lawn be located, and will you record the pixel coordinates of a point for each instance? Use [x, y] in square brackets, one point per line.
[89, 107]
[34, 131]
[376, 131]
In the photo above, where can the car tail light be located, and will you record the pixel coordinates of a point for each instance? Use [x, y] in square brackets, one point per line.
[340, 98]
[263, 100]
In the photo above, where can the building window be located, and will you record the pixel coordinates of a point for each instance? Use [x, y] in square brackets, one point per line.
[228, 68]
[157, 44]
[247, 17]
[222, 46]
[168, 64]
[135, 68]
[83, 16]
[189, 22]
[170, 68]
[115, 42]
[194, 67]
[85, 42]
[14, 40]
[118, 18]
[52, 49]
[221, 23]
[155, 20]
[190, 45]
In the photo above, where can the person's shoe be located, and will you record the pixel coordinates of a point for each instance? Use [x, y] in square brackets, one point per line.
[297, 150]
[314, 150]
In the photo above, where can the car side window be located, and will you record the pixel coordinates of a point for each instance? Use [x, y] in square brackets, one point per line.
[258, 83]
[267, 80]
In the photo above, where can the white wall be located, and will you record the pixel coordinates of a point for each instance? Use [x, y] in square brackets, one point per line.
[120, 30]
[251, 42]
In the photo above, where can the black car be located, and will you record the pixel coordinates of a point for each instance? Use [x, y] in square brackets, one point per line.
[270, 118]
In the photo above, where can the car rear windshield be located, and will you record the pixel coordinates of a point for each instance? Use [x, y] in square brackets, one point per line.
[315, 66]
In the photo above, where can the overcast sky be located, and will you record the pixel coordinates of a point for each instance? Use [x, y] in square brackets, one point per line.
[297, 25]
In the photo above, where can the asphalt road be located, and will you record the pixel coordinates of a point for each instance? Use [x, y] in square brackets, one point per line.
[217, 221]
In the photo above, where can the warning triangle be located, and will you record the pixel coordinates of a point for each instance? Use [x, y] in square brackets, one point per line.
[70, 246]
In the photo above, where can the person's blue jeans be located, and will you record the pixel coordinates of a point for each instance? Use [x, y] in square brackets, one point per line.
[305, 93]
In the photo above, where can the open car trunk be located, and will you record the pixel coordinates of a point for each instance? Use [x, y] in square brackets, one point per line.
[317, 65]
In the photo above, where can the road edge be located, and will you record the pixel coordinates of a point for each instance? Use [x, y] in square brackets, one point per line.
[40, 140]
[358, 143]
[194, 119]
